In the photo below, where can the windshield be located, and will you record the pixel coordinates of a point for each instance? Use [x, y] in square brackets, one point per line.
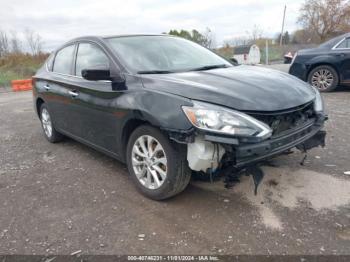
[157, 54]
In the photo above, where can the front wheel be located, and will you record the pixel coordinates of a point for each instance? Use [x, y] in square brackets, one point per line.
[158, 167]
[324, 78]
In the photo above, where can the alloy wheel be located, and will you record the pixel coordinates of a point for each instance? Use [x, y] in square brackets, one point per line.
[46, 122]
[149, 162]
[322, 79]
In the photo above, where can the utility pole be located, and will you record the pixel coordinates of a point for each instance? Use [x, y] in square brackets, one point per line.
[284, 16]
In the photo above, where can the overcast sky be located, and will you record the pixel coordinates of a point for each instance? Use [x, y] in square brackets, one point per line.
[59, 21]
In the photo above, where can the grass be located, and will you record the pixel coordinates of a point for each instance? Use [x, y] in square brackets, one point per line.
[19, 66]
[275, 54]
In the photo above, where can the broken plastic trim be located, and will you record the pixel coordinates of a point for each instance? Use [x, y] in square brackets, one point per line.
[317, 140]
[232, 176]
[181, 136]
[232, 173]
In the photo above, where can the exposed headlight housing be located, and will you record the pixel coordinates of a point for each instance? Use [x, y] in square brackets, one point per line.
[318, 102]
[226, 121]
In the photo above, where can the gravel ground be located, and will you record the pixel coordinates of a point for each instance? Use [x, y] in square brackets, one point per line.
[66, 197]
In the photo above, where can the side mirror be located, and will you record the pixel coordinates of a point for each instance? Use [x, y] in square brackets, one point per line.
[96, 74]
[118, 82]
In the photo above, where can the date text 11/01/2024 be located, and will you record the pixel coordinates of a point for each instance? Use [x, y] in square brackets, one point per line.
[173, 258]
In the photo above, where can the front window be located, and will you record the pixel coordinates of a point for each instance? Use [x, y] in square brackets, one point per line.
[90, 56]
[162, 53]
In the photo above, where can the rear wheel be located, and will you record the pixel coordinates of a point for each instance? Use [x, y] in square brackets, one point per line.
[324, 78]
[46, 122]
[157, 166]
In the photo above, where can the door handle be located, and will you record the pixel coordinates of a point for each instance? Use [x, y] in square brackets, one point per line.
[47, 87]
[73, 93]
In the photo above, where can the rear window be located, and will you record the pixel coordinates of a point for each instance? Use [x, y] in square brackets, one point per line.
[49, 62]
[344, 44]
[63, 60]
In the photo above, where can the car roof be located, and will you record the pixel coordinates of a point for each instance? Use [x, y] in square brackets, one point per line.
[130, 35]
[332, 42]
[96, 38]
[346, 35]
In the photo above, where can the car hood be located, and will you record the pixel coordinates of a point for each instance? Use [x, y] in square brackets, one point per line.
[247, 88]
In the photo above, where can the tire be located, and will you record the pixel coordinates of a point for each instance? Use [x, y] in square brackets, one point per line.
[46, 123]
[324, 78]
[177, 173]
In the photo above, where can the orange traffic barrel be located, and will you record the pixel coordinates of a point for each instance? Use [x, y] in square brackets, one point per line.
[21, 85]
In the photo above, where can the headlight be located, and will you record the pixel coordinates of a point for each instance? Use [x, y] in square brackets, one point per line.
[218, 119]
[318, 103]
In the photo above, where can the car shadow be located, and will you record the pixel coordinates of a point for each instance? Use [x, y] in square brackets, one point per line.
[193, 191]
[342, 88]
[96, 155]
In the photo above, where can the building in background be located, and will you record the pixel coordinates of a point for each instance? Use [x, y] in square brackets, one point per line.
[247, 54]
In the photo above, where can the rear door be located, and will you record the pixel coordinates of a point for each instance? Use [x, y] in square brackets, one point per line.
[342, 52]
[59, 90]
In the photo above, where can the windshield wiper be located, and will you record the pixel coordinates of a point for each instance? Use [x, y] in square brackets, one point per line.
[202, 68]
[155, 72]
[208, 67]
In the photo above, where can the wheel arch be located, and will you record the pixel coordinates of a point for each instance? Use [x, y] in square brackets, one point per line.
[154, 108]
[313, 66]
[127, 130]
[179, 136]
[38, 103]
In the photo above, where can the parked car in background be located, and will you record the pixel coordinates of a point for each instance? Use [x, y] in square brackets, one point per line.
[326, 66]
[167, 106]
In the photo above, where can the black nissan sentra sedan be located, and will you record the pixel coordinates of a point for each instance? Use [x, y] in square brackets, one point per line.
[169, 108]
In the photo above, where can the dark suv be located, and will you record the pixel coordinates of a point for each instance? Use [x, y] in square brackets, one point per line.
[169, 107]
[326, 66]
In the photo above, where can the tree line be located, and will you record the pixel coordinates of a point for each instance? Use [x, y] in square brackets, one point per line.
[319, 20]
[11, 43]
[206, 38]
[323, 19]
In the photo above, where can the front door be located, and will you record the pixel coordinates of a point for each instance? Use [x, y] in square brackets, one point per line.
[95, 100]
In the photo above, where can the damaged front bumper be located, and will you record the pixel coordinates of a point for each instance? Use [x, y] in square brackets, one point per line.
[221, 151]
[306, 137]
